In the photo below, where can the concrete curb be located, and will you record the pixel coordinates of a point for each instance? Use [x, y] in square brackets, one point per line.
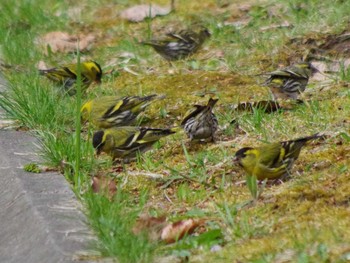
[41, 220]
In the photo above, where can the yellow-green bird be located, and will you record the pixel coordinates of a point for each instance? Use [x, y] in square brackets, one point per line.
[110, 111]
[202, 123]
[271, 161]
[66, 75]
[125, 142]
[179, 45]
[289, 82]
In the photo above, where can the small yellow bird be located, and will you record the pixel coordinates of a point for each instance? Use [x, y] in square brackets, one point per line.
[66, 75]
[271, 161]
[202, 123]
[109, 111]
[125, 142]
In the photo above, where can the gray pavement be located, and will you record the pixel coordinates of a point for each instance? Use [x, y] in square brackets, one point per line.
[41, 220]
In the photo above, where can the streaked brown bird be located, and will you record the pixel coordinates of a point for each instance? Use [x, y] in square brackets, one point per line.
[202, 123]
[179, 45]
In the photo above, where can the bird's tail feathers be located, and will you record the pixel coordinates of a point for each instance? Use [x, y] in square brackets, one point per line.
[212, 102]
[147, 100]
[308, 138]
[157, 131]
[43, 71]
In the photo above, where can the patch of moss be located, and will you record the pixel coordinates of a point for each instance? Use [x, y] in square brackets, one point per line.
[32, 168]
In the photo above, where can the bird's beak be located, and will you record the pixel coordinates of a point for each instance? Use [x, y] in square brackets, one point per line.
[98, 81]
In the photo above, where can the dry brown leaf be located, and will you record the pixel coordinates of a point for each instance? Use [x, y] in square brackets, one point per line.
[158, 229]
[175, 231]
[104, 185]
[63, 42]
[328, 67]
[138, 13]
[153, 226]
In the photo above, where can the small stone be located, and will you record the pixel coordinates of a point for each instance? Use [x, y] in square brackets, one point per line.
[215, 248]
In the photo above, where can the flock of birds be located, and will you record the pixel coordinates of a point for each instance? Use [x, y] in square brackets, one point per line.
[115, 117]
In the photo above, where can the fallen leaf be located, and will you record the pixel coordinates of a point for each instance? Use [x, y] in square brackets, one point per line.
[329, 67]
[158, 229]
[104, 185]
[139, 13]
[63, 42]
[175, 231]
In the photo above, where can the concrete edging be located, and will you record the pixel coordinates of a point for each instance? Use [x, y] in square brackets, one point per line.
[41, 220]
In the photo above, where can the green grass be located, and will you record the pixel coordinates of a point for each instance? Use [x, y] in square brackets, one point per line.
[108, 219]
[304, 219]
